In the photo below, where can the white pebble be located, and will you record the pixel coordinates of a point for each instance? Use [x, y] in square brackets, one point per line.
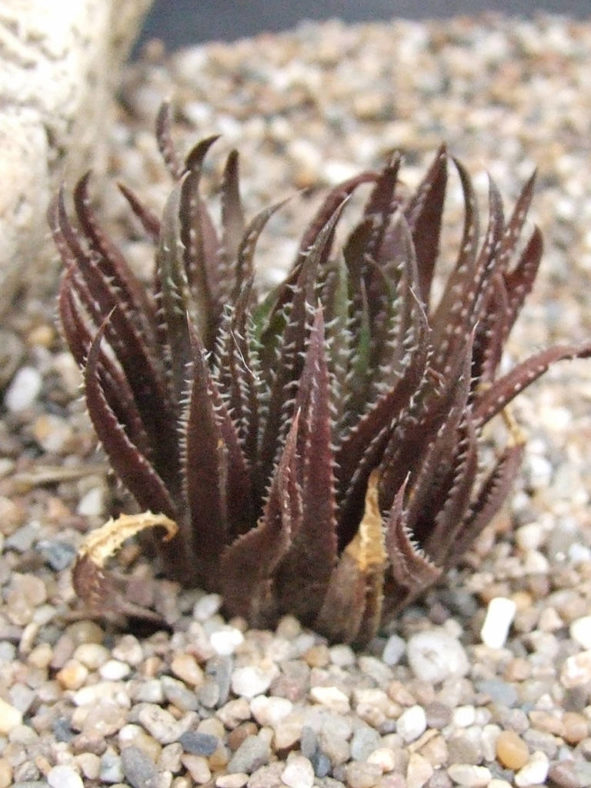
[342, 655]
[435, 655]
[159, 723]
[114, 670]
[64, 777]
[92, 503]
[580, 631]
[298, 773]
[576, 670]
[224, 641]
[10, 717]
[535, 563]
[412, 723]
[535, 770]
[394, 650]
[270, 711]
[103, 690]
[336, 171]
[530, 536]
[236, 780]
[91, 655]
[579, 553]
[419, 771]
[250, 681]
[499, 617]
[207, 606]
[384, 758]
[464, 716]
[331, 697]
[469, 775]
[24, 389]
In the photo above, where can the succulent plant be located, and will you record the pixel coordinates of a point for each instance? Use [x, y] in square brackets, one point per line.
[316, 450]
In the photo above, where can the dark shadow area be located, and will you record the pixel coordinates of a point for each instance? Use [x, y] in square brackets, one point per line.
[184, 22]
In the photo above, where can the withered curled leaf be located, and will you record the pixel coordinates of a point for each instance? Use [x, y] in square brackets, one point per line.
[90, 579]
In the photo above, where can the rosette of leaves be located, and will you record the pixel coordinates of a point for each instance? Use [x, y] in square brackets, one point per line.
[318, 447]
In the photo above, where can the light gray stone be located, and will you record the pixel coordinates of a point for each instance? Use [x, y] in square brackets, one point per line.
[59, 73]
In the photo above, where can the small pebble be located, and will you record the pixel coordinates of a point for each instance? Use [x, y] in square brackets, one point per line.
[177, 693]
[128, 649]
[575, 727]
[564, 774]
[73, 675]
[22, 539]
[58, 555]
[225, 641]
[139, 769]
[197, 766]
[186, 668]
[418, 770]
[580, 631]
[499, 691]
[253, 753]
[91, 655]
[464, 746]
[199, 743]
[393, 650]
[85, 632]
[464, 716]
[270, 711]
[511, 750]
[111, 767]
[362, 775]
[207, 606]
[10, 717]
[288, 732]
[365, 740]
[114, 670]
[235, 711]
[89, 764]
[534, 772]
[92, 503]
[236, 780]
[471, 776]
[384, 758]
[530, 536]
[412, 723]
[64, 777]
[104, 718]
[250, 681]
[331, 697]
[5, 773]
[298, 773]
[132, 735]
[342, 655]
[23, 390]
[52, 433]
[159, 723]
[150, 691]
[434, 655]
[497, 622]
[576, 670]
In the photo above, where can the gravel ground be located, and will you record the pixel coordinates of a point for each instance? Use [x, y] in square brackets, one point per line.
[445, 698]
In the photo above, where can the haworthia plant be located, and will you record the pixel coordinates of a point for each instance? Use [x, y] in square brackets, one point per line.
[318, 448]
